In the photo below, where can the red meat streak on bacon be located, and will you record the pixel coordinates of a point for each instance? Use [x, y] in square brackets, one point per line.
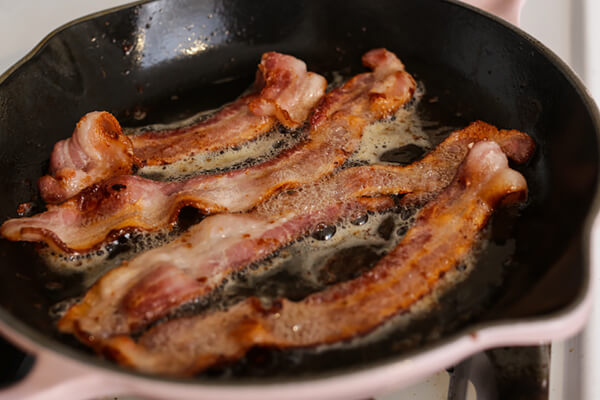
[283, 91]
[442, 236]
[129, 203]
[152, 284]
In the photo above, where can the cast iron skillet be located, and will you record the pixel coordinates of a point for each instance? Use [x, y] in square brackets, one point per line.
[160, 61]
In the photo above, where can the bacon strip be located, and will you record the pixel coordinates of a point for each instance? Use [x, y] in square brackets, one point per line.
[133, 203]
[441, 238]
[283, 91]
[149, 286]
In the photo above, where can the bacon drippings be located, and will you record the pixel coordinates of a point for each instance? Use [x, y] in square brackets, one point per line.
[85, 221]
[443, 235]
[224, 243]
[283, 91]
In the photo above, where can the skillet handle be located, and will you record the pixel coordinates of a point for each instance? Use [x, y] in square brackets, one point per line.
[510, 10]
[57, 378]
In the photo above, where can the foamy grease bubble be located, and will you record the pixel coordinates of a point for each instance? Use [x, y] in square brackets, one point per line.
[95, 263]
[404, 128]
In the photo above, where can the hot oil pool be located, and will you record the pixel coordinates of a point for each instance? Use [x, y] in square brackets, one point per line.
[331, 254]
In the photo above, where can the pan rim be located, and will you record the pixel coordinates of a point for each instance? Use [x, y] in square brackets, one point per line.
[33, 341]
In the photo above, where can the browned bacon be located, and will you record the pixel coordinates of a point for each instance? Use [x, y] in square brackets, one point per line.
[283, 91]
[96, 150]
[441, 238]
[149, 286]
[128, 203]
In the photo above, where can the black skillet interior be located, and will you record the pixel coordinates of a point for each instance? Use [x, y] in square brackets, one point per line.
[161, 61]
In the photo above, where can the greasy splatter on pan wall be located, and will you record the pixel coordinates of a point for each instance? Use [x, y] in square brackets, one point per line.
[168, 60]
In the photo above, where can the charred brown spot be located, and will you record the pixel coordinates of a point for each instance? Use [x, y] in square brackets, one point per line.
[110, 126]
[91, 197]
[118, 187]
[24, 208]
[375, 97]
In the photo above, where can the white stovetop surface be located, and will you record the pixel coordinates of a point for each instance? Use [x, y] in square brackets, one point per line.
[561, 25]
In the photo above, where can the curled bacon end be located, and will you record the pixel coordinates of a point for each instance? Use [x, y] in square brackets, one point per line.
[290, 92]
[443, 235]
[97, 150]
